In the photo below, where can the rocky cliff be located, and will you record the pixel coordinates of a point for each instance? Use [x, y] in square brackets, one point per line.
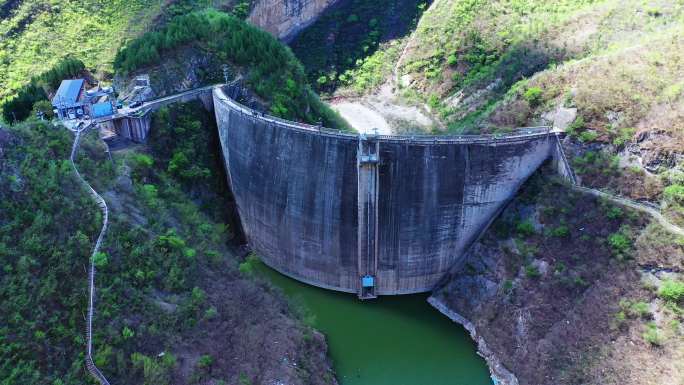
[285, 18]
[552, 298]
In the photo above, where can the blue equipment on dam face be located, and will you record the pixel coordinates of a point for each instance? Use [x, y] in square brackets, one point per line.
[368, 214]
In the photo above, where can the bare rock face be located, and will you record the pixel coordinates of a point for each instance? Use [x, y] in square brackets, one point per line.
[285, 18]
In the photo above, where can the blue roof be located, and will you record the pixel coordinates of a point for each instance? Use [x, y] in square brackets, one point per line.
[67, 93]
[102, 109]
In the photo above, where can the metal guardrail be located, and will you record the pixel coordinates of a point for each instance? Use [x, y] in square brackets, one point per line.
[90, 364]
[566, 163]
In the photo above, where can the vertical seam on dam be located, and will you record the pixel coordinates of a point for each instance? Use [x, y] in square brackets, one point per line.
[368, 158]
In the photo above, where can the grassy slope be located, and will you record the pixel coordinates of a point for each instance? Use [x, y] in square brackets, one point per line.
[632, 69]
[466, 55]
[39, 33]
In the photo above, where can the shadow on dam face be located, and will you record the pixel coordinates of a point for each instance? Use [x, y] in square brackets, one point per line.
[373, 215]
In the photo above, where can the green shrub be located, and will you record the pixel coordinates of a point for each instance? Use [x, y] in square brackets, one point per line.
[640, 309]
[614, 212]
[140, 165]
[588, 136]
[560, 267]
[533, 96]
[674, 193]
[654, 12]
[531, 271]
[527, 250]
[127, 332]
[100, 259]
[525, 228]
[652, 334]
[247, 267]
[579, 281]
[671, 290]
[561, 231]
[197, 297]
[619, 320]
[205, 361]
[623, 136]
[103, 356]
[619, 243]
[43, 107]
[241, 9]
[577, 125]
[433, 101]
[149, 195]
[154, 370]
[211, 313]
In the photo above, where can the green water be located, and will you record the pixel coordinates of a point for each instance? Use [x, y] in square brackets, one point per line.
[397, 340]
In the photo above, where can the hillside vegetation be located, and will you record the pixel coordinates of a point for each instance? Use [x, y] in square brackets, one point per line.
[272, 71]
[173, 306]
[349, 32]
[612, 67]
[42, 205]
[467, 56]
[36, 34]
[20, 106]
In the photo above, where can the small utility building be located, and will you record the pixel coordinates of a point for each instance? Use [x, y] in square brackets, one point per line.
[68, 101]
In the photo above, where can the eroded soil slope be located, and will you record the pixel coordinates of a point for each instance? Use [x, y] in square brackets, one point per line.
[567, 289]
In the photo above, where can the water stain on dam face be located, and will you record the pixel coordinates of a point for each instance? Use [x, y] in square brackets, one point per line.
[389, 341]
[339, 210]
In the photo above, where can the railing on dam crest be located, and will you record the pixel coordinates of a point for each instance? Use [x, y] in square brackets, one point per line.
[519, 133]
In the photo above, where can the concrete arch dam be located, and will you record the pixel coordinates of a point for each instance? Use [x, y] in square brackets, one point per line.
[373, 215]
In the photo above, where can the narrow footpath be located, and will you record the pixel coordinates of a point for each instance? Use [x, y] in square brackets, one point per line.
[94, 371]
[655, 214]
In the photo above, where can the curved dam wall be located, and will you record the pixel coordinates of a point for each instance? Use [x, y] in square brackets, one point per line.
[331, 208]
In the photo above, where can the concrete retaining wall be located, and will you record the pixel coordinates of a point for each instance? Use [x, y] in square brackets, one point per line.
[317, 206]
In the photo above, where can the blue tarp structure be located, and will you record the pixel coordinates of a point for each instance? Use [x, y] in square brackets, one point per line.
[367, 281]
[102, 109]
[67, 93]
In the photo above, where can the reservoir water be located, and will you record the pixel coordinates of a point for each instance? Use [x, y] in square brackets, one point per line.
[393, 340]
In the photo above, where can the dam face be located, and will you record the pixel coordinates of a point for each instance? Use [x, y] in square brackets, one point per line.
[373, 215]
